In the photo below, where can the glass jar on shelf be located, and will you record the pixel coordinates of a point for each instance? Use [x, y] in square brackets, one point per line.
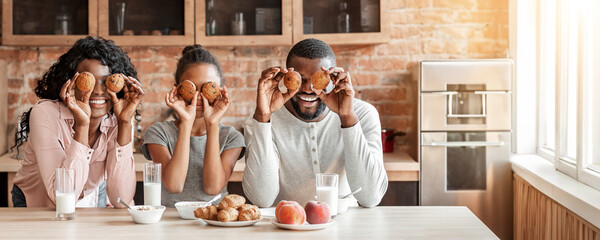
[212, 27]
[343, 19]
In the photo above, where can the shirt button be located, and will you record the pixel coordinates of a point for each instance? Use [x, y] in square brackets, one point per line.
[312, 138]
[119, 155]
[119, 150]
[315, 162]
[314, 150]
[312, 126]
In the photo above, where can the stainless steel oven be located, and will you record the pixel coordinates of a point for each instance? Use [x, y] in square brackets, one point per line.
[465, 138]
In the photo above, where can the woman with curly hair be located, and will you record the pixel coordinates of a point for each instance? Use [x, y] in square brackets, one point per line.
[196, 151]
[89, 132]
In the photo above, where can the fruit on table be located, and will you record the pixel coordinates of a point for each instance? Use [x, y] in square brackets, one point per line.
[290, 212]
[317, 212]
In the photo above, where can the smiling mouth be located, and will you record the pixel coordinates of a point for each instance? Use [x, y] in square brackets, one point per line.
[98, 101]
[309, 98]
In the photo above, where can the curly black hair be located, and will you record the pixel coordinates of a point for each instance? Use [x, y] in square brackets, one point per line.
[195, 54]
[49, 86]
[312, 49]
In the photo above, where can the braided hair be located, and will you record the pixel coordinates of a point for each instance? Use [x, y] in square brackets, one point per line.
[49, 86]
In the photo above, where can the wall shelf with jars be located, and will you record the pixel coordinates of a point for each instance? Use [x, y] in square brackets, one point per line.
[342, 21]
[235, 23]
[147, 22]
[184, 22]
[48, 23]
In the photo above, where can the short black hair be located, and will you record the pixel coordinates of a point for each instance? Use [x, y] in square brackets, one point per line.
[192, 55]
[312, 49]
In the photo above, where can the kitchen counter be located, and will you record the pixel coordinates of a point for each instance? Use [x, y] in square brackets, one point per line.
[358, 223]
[399, 166]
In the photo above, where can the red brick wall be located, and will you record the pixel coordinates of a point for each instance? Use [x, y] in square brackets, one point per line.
[384, 75]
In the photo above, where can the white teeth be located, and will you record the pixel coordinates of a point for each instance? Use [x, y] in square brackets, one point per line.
[97, 101]
[308, 99]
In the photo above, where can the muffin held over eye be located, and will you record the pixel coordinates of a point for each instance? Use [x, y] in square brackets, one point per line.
[115, 82]
[320, 80]
[211, 90]
[186, 89]
[85, 81]
[292, 80]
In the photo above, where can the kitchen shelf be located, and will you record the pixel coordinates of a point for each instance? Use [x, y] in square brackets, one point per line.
[369, 22]
[225, 10]
[30, 22]
[173, 20]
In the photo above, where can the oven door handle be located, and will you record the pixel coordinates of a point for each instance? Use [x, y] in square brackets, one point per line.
[465, 144]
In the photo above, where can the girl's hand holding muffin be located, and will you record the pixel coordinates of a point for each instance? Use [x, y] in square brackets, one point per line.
[185, 112]
[215, 110]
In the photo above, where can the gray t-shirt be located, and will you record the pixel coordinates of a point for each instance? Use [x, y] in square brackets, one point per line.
[165, 134]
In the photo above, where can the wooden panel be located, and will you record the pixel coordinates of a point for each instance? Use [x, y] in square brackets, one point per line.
[536, 216]
[345, 38]
[148, 40]
[9, 38]
[244, 40]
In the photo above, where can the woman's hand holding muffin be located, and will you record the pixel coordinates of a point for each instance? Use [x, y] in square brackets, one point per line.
[79, 105]
[124, 108]
[339, 100]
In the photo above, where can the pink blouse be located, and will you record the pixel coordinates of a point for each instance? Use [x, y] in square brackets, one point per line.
[50, 146]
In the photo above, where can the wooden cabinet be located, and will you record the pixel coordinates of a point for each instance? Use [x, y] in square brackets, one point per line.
[184, 22]
[48, 23]
[265, 22]
[342, 22]
[147, 22]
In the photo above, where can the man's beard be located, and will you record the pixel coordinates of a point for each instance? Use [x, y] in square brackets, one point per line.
[320, 109]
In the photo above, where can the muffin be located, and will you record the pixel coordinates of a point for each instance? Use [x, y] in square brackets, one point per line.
[186, 89]
[115, 82]
[211, 90]
[85, 81]
[320, 80]
[292, 80]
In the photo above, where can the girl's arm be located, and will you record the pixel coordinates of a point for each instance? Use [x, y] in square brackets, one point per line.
[217, 167]
[175, 167]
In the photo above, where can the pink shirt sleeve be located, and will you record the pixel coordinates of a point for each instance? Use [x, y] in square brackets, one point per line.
[120, 171]
[49, 144]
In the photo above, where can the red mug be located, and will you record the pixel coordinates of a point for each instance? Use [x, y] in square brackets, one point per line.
[387, 139]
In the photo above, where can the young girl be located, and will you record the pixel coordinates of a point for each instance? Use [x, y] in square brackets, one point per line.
[197, 153]
[87, 131]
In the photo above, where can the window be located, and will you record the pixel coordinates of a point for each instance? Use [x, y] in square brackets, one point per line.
[568, 54]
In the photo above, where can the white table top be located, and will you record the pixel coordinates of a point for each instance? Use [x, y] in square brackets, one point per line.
[356, 223]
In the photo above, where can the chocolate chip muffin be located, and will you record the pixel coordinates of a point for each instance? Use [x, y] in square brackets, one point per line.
[85, 81]
[115, 82]
[320, 80]
[186, 89]
[211, 90]
[292, 80]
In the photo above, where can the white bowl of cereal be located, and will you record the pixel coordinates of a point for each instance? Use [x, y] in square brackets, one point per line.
[145, 214]
[186, 209]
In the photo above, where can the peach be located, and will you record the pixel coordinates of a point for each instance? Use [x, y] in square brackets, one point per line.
[317, 212]
[290, 212]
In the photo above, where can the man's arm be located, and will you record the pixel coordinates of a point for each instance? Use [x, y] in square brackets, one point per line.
[364, 157]
[261, 175]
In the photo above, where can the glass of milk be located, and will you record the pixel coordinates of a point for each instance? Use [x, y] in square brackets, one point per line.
[64, 184]
[152, 184]
[327, 190]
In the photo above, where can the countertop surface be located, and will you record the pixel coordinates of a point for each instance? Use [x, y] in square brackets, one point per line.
[357, 223]
[399, 165]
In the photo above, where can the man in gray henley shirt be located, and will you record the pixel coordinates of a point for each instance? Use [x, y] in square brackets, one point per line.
[294, 135]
